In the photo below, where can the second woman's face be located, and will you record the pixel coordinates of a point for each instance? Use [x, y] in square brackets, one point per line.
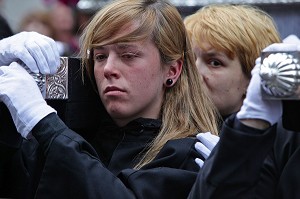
[130, 80]
[223, 78]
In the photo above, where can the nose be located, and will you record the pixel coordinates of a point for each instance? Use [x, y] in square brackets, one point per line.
[200, 66]
[111, 67]
[202, 69]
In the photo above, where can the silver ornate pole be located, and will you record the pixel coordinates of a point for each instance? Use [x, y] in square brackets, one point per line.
[280, 74]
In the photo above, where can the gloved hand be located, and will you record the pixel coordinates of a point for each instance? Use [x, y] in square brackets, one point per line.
[207, 142]
[254, 106]
[21, 95]
[38, 52]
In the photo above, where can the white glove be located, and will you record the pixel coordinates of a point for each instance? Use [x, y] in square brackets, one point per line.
[207, 142]
[291, 39]
[254, 106]
[21, 95]
[38, 52]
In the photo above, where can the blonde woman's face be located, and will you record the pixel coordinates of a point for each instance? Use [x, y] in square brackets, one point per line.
[223, 78]
[130, 79]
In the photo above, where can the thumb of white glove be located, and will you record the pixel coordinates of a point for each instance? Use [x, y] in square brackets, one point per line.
[282, 47]
[291, 39]
[38, 52]
[21, 95]
[254, 106]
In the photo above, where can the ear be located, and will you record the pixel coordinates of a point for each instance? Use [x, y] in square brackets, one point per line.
[173, 72]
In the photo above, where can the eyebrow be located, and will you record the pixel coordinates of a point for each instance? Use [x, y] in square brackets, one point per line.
[123, 46]
[120, 46]
[213, 54]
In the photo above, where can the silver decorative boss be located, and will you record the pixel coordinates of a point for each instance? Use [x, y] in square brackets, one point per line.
[280, 75]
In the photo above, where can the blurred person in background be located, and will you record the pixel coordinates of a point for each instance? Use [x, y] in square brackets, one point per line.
[38, 21]
[41, 22]
[64, 25]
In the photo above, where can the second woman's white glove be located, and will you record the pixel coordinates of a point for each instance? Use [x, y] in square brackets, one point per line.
[207, 142]
[38, 52]
[20, 93]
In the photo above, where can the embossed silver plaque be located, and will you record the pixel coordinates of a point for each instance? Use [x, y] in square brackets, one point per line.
[76, 100]
[280, 75]
[56, 86]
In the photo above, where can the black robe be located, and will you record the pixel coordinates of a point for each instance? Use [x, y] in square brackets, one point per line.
[59, 163]
[249, 163]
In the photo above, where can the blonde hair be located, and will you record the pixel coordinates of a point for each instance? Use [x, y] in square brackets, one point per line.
[238, 30]
[186, 107]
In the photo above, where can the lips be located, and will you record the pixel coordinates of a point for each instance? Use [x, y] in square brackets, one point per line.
[113, 89]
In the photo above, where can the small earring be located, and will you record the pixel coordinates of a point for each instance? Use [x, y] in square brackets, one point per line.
[169, 82]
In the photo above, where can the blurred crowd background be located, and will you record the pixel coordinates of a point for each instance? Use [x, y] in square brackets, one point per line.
[63, 20]
[59, 19]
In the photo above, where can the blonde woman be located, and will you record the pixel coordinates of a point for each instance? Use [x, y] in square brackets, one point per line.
[139, 58]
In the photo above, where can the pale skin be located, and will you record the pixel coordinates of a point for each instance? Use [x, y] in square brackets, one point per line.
[256, 123]
[223, 78]
[131, 79]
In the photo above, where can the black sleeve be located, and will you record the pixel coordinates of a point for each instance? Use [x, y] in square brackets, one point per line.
[290, 117]
[233, 168]
[10, 142]
[5, 30]
[72, 170]
[284, 177]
